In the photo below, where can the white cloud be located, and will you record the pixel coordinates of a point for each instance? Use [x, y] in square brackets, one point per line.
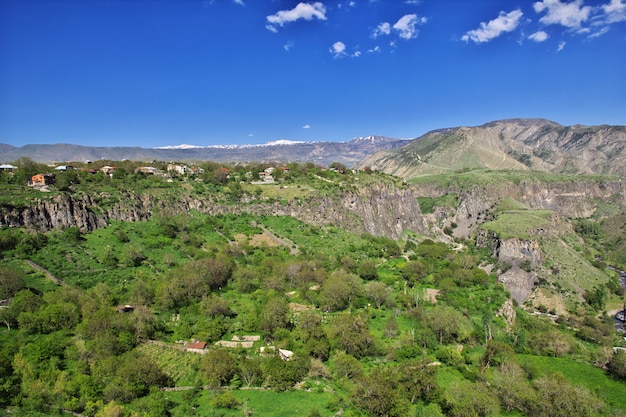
[561, 46]
[239, 2]
[539, 36]
[570, 15]
[287, 47]
[615, 11]
[306, 127]
[338, 49]
[374, 49]
[407, 26]
[306, 11]
[599, 33]
[382, 29]
[505, 22]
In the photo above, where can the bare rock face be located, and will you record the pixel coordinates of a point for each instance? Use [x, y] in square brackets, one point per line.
[519, 283]
[62, 211]
[570, 199]
[515, 251]
[507, 312]
[380, 210]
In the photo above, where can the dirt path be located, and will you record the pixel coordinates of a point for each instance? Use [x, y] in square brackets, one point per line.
[293, 248]
[46, 272]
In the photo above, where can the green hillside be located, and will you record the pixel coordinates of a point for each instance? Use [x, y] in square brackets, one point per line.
[97, 323]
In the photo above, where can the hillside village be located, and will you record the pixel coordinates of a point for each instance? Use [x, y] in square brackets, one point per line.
[41, 179]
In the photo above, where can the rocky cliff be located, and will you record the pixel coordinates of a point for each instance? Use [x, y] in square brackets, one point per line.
[380, 210]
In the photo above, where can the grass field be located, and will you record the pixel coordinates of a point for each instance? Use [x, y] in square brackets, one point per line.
[259, 403]
[518, 223]
[596, 380]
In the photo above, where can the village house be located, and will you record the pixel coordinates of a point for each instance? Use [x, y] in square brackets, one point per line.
[196, 347]
[127, 308]
[7, 167]
[65, 168]
[285, 354]
[177, 169]
[42, 179]
[108, 170]
[267, 175]
[148, 170]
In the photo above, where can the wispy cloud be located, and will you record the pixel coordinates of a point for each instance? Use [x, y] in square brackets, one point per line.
[287, 47]
[571, 15]
[538, 36]
[306, 126]
[561, 46]
[239, 2]
[505, 22]
[306, 11]
[599, 33]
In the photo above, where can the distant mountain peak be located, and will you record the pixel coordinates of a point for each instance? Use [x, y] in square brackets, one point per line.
[373, 139]
[282, 142]
[181, 146]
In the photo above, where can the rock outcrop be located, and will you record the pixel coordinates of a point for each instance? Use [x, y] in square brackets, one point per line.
[380, 210]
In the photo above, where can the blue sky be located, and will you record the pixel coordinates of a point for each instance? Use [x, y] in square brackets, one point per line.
[166, 72]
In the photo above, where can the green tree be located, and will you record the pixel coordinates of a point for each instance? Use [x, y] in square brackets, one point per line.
[465, 399]
[274, 316]
[134, 377]
[557, 397]
[444, 321]
[367, 270]
[378, 395]
[597, 297]
[377, 293]
[347, 366]
[11, 281]
[414, 271]
[250, 370]
[617, 366]
[282, 375]
[510, 383]
[218, 367]
[339, 290]
[349, 332]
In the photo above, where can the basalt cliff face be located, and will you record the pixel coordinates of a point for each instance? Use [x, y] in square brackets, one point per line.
[379, 210]
[382, 210]
[570, 199]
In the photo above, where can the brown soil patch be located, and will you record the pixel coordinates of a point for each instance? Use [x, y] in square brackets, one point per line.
[552, 302]
[298, 307]
[430, 295]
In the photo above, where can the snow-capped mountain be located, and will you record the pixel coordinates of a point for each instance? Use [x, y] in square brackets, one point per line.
[323, 153]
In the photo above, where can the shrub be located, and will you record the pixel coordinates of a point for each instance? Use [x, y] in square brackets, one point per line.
[226, 400]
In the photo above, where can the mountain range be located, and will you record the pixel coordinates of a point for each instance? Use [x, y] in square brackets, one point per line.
[323, 153]
[514, 144]
[517, 144]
